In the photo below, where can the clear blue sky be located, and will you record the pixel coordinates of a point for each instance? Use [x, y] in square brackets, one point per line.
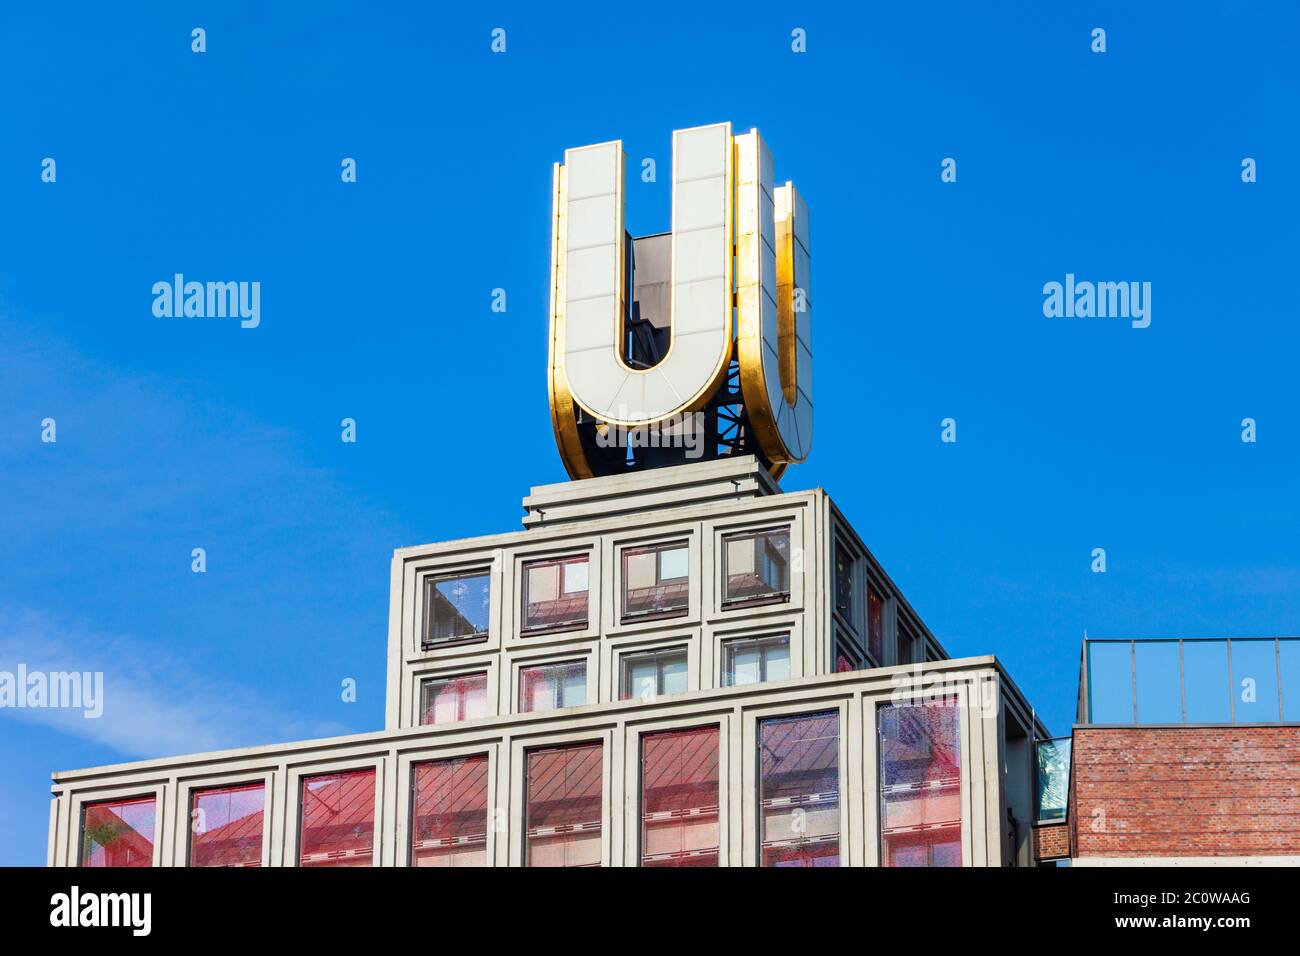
[183, 433]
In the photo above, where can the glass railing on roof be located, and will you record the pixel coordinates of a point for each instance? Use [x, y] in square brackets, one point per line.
[1191, 681]
[1052, 778]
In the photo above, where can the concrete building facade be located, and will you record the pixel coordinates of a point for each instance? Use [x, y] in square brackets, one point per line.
[678, 667]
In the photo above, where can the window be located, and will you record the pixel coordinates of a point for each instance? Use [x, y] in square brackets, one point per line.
[226, 825]
[920, 783]
[563, 812]
[456, 607]
[754, 660]
[649, 674]
[655, 581]
[118, 832]
[875, 625]
[555, 594]
[679, 798]
[455, 698]
[337, 819]
[906, 644]
[449, 823]
[757, 567]
[552, 686]
[847, 656]
[844, 582]
[799, 790]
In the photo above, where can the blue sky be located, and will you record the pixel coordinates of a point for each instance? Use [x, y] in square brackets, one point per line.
[183, 433]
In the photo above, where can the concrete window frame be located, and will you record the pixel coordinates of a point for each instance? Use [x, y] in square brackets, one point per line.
[415, 577]
[520, 747]
[612, 602]
[788, 625]
[417, 677]
[633, 732]
[839, 702]
[512, 612]
[162, 811]
[613, 651]
[801, 566]
[406, 762]
[293, 801]
[186, 788]
[516, 662]
[873, 798]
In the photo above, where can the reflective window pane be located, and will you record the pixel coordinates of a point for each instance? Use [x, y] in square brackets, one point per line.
[649, 674]
[456, 607]
[799, 790]
[1206, 682]
[655, 581]
[1110, 682]
[563, 812]
[1254, 681]
[920, 783]
[679, 798]
[757, 566]
[454, 699]
[552, 686]
[118, 832]
[843, 582]
[337, 819]
[449, 825]
[875, 625]
[1159, 685]
[555, 594]
[226, 825]
[754, 660]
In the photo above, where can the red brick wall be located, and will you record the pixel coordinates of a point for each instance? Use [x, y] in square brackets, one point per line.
[1051, 841]
[1209, 791]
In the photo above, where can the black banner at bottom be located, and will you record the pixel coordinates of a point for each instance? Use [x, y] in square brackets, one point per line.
[640, 906]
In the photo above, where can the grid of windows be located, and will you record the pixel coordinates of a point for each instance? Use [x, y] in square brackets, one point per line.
[649, 674]
[755, 660]
[555, 594]
[337, 819]
[920, 783]
[456, 607]
[449, 800]
[118, 832]
[454, 698]
[563, 807]
[552, 686]
[679, 798]
[226, 825]
[656, 581]
[756, 567]
[799, 790]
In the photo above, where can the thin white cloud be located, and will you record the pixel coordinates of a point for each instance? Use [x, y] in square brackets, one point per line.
[154, 704]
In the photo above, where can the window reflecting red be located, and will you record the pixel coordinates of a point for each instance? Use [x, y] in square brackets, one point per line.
[799, 790]
[564, 806]
[226, 825]
[679, 798]
[337, 819]
[118, 832]
[920, 780]
[450, 820]
[875, 624]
